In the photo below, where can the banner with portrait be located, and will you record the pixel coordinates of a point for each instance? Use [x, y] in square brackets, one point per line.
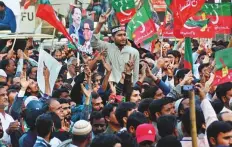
[80, 29]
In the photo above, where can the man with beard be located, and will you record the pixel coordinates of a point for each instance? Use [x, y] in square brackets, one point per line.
[98, 123]
[65, 103]
[119, 54]
[33, 89]
[57, 54]
[97, 102]
[219, 134]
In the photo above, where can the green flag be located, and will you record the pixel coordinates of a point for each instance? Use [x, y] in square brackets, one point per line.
[223, 72]
[142, 28]
[188, 59]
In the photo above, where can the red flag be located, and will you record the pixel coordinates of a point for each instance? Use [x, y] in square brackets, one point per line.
[46, 12]
[182, 10]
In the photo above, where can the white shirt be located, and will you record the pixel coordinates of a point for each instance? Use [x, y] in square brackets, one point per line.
[5, 124]
[226, 110]
[201, 141]
[117, 58]
[54, 142]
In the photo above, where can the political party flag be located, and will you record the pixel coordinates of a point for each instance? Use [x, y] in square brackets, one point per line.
[141, 28]
[220, 15]
[125, 10]
[182, 10]
[200, 27]
[223, 72]
[188, 59]
[53, 66]
[46, 12]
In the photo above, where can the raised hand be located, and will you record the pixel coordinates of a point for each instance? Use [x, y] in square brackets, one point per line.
[46, 72]
[112, 88]
[24, 82]
[200, 88]
[129, 66]
[20, 54]
[171, 67]
[10, 53]
[87, 72]
[103, 18]
[188, 78]
[29, 43]
[106, 65]
[101, 55]
[9, 43]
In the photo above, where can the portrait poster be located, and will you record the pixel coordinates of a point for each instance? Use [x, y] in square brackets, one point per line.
[80, 29]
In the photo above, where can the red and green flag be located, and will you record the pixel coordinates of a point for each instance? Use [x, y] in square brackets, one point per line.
[223, 72]
[182, 10]
[141, 29]
[46, 12]
[220, 15]
[188, 58]
[125, 10]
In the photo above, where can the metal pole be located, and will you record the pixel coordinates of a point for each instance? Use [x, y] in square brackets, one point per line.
[193, 118]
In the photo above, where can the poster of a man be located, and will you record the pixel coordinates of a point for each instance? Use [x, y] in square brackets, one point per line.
[80, 30]
[75, 22]
[87, 31]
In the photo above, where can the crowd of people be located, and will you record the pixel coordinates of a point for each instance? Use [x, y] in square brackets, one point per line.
[120, 96]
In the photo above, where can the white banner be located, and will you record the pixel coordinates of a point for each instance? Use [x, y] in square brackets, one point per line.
[53, 66]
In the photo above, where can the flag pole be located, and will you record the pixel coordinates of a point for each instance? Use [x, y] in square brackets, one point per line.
[16, 35]
[161, 49]
[54, 32]
[193, 118]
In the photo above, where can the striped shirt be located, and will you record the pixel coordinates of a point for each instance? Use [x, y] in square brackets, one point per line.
[117, 58]
[41, 142]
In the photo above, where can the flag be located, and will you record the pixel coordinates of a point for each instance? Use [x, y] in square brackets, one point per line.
[182, 10]
[141, 28]
[223, 72]
[220, 15]
[188, 59]
[125, 10]
[200, 27]
[46, 12]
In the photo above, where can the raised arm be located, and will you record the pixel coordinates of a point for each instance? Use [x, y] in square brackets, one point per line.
[96, 43]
